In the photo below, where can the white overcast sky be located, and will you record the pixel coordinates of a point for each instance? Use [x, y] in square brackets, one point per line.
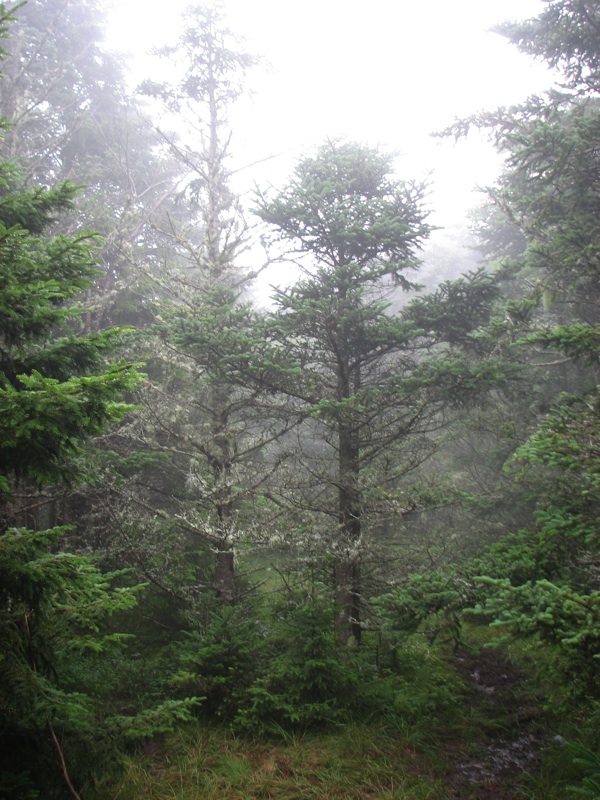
[383, 72]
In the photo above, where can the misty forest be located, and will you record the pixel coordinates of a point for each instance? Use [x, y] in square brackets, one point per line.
[335, 539]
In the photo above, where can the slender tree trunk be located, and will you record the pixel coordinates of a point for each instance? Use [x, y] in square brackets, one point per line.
[217, 265]
[224, 579]
[221, 464]
[347, 570]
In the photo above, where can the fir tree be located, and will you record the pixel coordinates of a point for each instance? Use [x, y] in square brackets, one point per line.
[374, 387]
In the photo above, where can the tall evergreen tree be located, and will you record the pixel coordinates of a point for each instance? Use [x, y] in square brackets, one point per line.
[215, 428]
[375, 386]
[57, 391]
[542, 580]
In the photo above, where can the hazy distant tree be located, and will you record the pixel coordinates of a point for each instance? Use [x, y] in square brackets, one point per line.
[497, 237]
[214, 428]
[58, 79]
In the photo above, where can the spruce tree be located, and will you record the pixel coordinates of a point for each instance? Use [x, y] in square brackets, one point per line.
[541, 581]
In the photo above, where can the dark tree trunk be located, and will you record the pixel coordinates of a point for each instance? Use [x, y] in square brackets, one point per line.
[221, 467]
[347, 601]
[224, 581]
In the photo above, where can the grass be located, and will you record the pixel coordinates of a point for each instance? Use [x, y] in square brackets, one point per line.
[355, 763]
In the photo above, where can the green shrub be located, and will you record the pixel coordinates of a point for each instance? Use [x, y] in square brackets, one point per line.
[415, 686]
[306, 683]
[221, 662]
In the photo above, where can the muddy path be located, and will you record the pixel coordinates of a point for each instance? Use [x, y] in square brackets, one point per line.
[505, 746]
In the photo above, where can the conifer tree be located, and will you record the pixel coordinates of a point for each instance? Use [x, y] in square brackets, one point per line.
[213, 431]
[375, 386]
[57, 391]
[540, 582]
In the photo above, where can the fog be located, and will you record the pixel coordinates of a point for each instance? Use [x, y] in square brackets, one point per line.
[379, 72]
[383, 73]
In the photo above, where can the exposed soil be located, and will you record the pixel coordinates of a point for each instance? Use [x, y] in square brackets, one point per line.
[506, 748]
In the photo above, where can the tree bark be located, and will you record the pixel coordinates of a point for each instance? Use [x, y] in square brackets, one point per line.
[347, 601]
[224, 580]
[348, 579]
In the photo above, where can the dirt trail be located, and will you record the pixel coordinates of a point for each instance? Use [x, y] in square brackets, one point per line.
[506, 747]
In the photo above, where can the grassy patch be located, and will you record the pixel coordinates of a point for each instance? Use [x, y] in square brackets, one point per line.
[356, 763]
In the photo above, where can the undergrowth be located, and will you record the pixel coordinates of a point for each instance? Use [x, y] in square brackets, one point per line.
[285, 717]
[407, 754]
[213, 764]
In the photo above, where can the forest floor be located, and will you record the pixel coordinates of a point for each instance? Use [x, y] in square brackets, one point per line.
[491, 753]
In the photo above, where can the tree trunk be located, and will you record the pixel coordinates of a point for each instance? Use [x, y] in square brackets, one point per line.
[224, 581]
[221, 466]
[347, 572]
[347, 601]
